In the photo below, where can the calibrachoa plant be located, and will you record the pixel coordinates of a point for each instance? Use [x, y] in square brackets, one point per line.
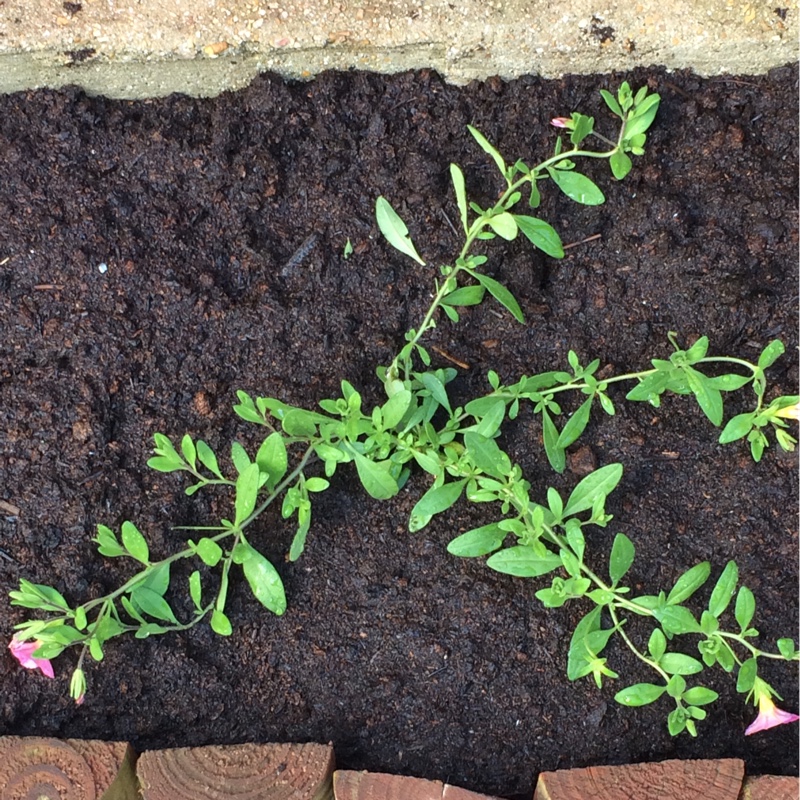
[458, 447]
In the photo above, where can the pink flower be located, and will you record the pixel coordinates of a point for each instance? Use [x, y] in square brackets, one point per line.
[769, 716]
[23, 652]
[561, 122]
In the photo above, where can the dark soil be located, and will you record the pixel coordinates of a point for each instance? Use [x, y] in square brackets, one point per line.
[409, 660]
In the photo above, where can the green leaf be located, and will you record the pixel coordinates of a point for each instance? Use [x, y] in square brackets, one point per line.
[650, 388]
[785, 646]
[152, 604]
[80, 619]
[209, 551]
[135, 543]
[737, 428]
[555, 454]
[157, 578]
[657, 644]
[132, 610]
[207, 458]
[272, 458]
[524, 561]
[576, 539]
[689, 583]
[486, 455]
[492, 419]
[46, 596]
[677, 620]
[575, 425]
[489, 149]
[394, 229]
[598, 484]
[724, 589]
[577, 187]
[676, 685]
[541, 235]
[195, 590]
[96, 649]
[457, 177]
[622, 555]
[611, 102]
[265, 582]
[579, 651]
[771, 353]
[107, 543]
[465, 296]
[501, 294]
[582, 127]
[246, 408]
[745, 607]
[438, 499]
[298, 542]
[163, 464]
[679, 664]
[504, 225]
[620, 164]
[435, 387]
[189, 451]
[246, 493]
[571, 564]
[729, 382]
[477, 542]
[643, 116]
[301, 423]
[239, 457]
[375, 477]
[700, 696]
[317, 484]
[746, 678]
[220, 623]
[709, 398]
[640, 694]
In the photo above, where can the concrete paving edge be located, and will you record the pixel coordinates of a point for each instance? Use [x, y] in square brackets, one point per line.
[109, 50]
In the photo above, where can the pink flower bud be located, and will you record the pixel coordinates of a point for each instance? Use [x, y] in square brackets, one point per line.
[561, 122]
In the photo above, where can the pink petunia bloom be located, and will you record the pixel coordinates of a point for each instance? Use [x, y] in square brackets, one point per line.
[23, 652]
[561, 122]
[769, 716]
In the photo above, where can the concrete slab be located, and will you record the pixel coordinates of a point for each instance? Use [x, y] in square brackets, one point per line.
[150, 48]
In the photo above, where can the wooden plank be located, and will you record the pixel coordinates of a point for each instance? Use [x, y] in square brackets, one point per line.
[69, 769]
[243, 771]
[770, 787]
[457, 793]
[350, 785]
[719, 779]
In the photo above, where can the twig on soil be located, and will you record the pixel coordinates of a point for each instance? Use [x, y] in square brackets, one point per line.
[443, 354]
[299, 255]
[583, 241]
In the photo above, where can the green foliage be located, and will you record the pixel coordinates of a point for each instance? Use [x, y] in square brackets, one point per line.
[460, 448]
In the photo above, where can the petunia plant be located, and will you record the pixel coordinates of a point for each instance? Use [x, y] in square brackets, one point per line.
[460, 448]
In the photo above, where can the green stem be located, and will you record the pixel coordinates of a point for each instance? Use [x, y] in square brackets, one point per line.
[477, 226]
[755, 651]
[140, 576]
[632, 647]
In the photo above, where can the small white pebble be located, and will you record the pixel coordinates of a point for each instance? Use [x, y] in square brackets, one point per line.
[103, 268]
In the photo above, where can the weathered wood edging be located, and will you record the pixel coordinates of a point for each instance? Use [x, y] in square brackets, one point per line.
[72, 769]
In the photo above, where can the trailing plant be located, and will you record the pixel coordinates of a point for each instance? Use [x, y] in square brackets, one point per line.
[458, 447]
